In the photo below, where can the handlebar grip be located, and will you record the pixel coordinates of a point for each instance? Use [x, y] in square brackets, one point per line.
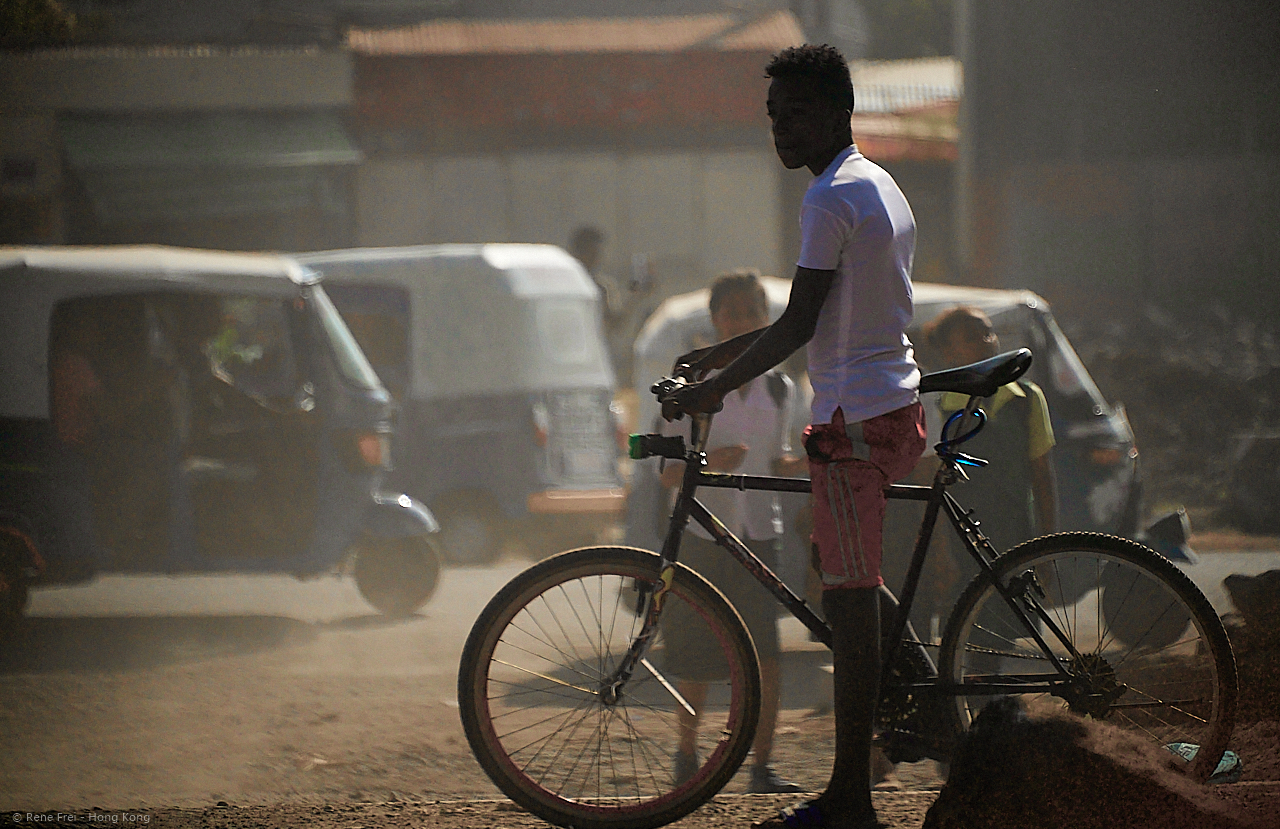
[647, 446]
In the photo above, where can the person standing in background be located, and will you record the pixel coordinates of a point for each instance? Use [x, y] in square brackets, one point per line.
[751, 435]
[1015, 497]
[619, 303]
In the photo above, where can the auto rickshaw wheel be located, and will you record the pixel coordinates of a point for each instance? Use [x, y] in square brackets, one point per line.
[397, 575]
[472, 527]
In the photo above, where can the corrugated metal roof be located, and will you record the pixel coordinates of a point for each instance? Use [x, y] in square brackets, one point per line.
[772, 31]
[900, 85]
[156, 51]
[944, 71]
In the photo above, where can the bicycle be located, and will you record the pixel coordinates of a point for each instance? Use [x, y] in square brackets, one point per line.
[566, 705]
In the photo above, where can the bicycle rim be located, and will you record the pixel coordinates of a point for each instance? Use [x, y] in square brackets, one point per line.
[530, 693]
[1150, 654]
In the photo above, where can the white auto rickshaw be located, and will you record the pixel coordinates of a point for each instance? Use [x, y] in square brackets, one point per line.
[165, 410]
[495, 356]
[1099, 486]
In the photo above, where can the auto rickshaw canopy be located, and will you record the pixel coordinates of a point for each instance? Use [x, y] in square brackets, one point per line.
[683, 322]
[484, 318]
[33, 280]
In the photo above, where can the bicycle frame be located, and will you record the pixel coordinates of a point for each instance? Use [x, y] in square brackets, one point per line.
[936, 499]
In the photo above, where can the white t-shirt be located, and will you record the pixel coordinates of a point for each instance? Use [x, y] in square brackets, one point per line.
[856, 221]
[763, 425]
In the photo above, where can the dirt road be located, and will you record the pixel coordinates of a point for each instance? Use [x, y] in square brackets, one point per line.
[148, 692]
[293, 704]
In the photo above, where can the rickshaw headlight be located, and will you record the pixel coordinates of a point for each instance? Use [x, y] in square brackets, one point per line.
[375, 448]
[361, 451]
[541, 423]
[1107, 456]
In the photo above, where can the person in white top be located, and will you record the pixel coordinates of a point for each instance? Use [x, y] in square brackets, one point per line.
[850, 304]
[751, 436]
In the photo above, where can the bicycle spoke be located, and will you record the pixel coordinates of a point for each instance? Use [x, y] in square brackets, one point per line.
[555, 761]
[613, 620]
[638, 742]
[594, 642]
[526, 692]
[546, 637]
[552, 680]
[543, 742]
[556, 618]
[573, 668]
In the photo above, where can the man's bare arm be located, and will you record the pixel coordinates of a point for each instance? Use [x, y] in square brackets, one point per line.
[719, 355]
[771, 346]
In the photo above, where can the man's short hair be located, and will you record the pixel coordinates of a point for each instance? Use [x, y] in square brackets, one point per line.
[965, 320]
[821, 66]
[741, 280]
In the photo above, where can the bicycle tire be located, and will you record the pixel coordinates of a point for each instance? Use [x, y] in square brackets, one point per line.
[1171, 689]
[552, 744]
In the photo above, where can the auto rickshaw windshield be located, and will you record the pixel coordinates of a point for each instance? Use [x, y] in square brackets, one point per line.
[351, 360]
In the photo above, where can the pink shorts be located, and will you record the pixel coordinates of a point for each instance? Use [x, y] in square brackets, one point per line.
[850, 465]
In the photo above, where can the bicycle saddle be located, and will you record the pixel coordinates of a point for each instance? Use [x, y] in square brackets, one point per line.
[979, 379]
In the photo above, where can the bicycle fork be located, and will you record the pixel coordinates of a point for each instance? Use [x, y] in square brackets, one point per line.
[611, 687]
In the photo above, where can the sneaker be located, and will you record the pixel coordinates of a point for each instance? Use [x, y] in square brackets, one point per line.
[810, 815]
[764, 780]
[888, 783]
[686, 766]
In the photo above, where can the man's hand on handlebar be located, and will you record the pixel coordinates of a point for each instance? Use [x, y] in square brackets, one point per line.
[680, 397]
[696, 364]
[690, 366]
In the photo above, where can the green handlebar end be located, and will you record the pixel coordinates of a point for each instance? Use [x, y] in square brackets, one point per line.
[635, 447]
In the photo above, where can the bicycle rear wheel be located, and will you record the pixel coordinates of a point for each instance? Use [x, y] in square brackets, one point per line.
[1139, 645]
[531, 682]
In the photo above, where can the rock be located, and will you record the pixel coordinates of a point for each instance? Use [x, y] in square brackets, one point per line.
[1257, 600]
[1051, 770]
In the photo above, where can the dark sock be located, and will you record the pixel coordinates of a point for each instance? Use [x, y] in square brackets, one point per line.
[854, 616]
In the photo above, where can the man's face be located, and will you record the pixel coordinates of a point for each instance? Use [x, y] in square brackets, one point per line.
[738, 313]
[806, 126]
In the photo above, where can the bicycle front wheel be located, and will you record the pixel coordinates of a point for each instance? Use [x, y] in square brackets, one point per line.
[532, 692]
[1127, 638]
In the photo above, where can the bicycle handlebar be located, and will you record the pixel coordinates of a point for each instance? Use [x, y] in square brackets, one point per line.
[667, 386]
[643, 446]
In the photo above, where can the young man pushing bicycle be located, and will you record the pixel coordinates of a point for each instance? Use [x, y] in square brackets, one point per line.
[850, 304]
